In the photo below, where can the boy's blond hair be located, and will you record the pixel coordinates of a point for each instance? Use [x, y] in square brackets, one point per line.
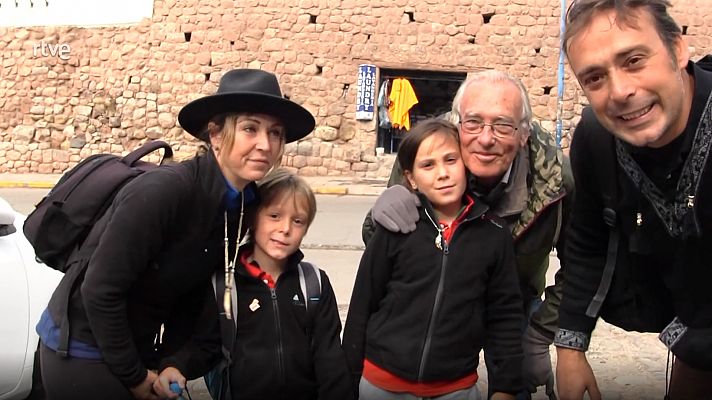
[280, 182]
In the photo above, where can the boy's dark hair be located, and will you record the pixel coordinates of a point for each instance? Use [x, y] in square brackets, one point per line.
[408, 148]
[581, 11]
[280, 182]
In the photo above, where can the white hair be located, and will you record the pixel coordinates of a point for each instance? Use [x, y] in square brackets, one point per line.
[494, 76]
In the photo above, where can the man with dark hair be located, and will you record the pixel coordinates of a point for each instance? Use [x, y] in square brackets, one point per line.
[638, 251]
[516, 169]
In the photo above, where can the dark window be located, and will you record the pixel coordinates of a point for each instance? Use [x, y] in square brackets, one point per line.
[434, 90]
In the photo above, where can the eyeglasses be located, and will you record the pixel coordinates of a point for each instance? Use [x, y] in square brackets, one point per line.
[502, 130]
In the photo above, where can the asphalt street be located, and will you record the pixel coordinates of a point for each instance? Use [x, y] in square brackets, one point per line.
[333, 241]
[627, 365]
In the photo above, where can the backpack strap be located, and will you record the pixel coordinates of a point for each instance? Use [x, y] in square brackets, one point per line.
[227, 326]
[594, 308]
[218, 379]
[147, 148]
[310, 283]
[604, 148]
[63, 345]
[75, 276]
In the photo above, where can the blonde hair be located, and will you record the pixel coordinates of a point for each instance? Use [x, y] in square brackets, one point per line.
[280, 182]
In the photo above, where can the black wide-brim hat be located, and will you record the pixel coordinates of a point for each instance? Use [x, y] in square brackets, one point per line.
[247, 90]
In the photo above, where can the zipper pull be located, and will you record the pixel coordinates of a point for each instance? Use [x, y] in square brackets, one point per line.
[636, 243]
[690, 226]
[439, 240]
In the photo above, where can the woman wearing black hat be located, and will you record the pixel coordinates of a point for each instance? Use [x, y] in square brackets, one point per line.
[145, 269]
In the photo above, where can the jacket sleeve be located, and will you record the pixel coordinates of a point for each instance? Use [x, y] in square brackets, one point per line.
[546, 319]
[369, 225]
[197, 354]
[369, 288]
[137, 224]
[504, 320]
[587, 233]
[332, 373]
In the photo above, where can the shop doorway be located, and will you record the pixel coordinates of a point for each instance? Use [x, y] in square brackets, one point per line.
[434, 91]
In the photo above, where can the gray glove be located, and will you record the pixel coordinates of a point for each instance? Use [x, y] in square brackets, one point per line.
[536, 367]
[397, 209]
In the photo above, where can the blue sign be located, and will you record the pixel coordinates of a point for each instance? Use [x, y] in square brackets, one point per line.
[365, 97]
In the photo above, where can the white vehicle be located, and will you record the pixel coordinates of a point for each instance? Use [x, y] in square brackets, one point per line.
[25, 289]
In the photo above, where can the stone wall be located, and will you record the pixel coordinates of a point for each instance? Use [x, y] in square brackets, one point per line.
[121, 85]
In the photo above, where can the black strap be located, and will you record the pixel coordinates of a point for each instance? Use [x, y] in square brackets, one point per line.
[227, 334]
[609, 215]
[606, 174]
[310, 283]
[148, 147]
[227, 326]
[63, 345]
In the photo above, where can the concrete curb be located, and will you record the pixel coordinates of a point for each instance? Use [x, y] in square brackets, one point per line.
[26, 185]
[323, 185]
[337, 190]
[327, 190]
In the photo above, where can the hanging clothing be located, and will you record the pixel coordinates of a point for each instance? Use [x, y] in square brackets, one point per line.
[383, 103]
[402, 100]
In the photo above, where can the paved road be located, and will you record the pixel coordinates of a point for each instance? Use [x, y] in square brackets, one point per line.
[627, 365]
[333, 241]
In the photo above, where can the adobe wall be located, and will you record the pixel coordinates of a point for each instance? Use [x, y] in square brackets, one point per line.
[122, 85]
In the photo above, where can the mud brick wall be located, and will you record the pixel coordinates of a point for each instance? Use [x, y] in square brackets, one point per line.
[119, 86]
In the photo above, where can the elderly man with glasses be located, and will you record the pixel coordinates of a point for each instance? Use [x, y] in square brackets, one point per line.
[518, 171]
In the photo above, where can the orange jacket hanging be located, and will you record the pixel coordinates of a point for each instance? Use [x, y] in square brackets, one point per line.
[402, 100]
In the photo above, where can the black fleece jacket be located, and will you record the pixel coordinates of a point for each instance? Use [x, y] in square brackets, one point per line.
[425, 314]
[147, 263]
[281, 351]
[657, 276]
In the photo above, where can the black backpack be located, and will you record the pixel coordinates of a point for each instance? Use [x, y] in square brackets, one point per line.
[62, 220]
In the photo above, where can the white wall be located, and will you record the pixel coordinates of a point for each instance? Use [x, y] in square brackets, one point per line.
[16, 13]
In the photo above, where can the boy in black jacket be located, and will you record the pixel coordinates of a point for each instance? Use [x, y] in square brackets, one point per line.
[279, 349]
